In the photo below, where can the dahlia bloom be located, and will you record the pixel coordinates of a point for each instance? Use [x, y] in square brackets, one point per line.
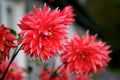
[43, 31]
[85, 55]
[6, 42]
[14, 71]
[53, 74]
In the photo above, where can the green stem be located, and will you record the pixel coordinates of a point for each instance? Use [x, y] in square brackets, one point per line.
[55, 73]
[59, 67]
[13, 57]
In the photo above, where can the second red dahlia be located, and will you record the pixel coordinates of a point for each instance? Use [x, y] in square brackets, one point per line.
[85, 55]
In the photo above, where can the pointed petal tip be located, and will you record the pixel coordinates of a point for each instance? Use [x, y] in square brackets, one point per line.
[34, 6]
[45, 4]
[87, 31]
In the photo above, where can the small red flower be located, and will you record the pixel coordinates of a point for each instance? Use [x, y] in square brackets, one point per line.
[85, 55]
[43, 32]
[14, 71]
[53, 74]
[6, 42]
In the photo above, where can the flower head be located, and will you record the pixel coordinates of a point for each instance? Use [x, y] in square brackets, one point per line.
[43, 32]
[6, 42]
[85, 55]
[14, 71]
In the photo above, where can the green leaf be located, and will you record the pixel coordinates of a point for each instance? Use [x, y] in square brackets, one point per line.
[37, 61]
[19, 37]
[30, 69]
[13, 32]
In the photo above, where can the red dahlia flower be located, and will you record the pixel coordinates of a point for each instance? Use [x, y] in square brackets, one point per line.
[14, 71]
[85, 55]
[6, 42]
[43, 31]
